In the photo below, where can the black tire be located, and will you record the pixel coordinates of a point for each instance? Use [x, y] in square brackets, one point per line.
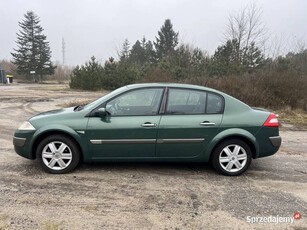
[62, 151]
[219, 154]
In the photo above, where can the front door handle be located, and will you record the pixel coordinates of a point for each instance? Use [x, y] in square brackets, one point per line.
[207, 123]
[148, 124]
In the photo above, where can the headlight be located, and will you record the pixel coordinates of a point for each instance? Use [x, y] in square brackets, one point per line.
[26, 126]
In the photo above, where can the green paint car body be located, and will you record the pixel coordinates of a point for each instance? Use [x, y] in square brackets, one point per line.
[152, 122]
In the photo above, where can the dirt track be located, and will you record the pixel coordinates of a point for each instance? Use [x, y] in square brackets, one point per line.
[141, 196]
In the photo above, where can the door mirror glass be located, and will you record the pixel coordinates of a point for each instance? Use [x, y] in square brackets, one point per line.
[102, 112]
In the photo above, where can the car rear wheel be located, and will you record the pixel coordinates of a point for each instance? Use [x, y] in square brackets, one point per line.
[58, 154]
[232, 157]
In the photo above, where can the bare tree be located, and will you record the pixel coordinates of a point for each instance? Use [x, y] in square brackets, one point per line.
[246, 27]
[281, 45]
[62, 73]
[276, 46]
[299, 44]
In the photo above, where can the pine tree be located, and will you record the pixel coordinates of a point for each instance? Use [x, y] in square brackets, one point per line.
[125, 51]
[231, 59]
[142, 52]
[149, 51]
[253, 57]
[33, 51]
[166, 41]
[137, 54]
[227, 59]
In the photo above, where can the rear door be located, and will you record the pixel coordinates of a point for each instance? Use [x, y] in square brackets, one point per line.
[192, 118]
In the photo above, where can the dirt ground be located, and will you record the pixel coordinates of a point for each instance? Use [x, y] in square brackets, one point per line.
[143, 195]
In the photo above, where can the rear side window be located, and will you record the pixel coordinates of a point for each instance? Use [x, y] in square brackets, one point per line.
[214, 103]
[182, 101]
[188, 101]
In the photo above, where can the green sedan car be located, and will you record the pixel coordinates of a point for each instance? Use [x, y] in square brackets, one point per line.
[152, 122]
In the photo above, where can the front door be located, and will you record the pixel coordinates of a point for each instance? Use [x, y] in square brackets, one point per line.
[129, 131]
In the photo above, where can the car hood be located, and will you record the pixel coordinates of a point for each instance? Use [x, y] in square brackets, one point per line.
[53, 113]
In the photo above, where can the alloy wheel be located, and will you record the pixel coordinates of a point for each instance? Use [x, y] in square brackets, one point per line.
[233, 158]
[57, 155]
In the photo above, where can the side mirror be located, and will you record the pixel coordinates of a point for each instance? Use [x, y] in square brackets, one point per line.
[102, 112]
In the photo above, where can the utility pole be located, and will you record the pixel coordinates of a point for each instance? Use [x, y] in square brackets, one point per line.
[63, 51]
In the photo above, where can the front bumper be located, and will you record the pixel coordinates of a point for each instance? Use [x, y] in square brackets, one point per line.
[19, 141]
[22, 144]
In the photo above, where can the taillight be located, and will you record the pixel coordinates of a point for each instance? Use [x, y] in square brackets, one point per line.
[271, 121]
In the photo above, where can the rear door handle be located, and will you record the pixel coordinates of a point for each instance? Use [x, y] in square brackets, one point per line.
[207, 123]
[148, 124]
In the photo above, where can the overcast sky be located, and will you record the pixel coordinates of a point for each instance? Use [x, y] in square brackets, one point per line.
[99, 27]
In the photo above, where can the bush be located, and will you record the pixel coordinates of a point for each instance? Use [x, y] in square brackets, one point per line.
[118, 74]
[267, 89]
[87, 77]
[94, 76]
[276, 84]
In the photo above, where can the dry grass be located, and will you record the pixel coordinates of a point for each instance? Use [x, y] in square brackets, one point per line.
[75, 102]
[297, 117]
[49, 225]
[50, 87]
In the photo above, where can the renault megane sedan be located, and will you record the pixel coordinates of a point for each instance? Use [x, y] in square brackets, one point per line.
[152, 122]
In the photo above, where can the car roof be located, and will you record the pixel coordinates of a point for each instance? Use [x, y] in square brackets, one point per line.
[174, 85]
[185, 86]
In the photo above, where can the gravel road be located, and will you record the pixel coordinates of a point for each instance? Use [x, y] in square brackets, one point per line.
[142, 195]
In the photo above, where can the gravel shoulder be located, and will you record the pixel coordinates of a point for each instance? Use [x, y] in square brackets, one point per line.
[141, 195]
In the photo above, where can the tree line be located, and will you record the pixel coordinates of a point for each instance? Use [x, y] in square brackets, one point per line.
[164, 55]
[239, 66]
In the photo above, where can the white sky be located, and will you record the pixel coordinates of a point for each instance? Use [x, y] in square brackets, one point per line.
[99, 27]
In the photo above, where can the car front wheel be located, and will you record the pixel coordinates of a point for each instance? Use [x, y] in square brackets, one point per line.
[58, 154]
[232, 157]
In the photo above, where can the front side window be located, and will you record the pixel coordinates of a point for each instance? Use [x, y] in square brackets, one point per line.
[183, 101]
[141, 102]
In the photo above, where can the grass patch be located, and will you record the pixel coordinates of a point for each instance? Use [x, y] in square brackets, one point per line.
[4, 220]
[56, 87]
[75, 103]
[298, 118]
[48, 225]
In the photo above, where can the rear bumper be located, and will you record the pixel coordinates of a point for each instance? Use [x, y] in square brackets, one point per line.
[275, 141]
[269, 141]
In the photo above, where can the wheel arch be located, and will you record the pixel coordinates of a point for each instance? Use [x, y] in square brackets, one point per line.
[240, 134]
[42, 135]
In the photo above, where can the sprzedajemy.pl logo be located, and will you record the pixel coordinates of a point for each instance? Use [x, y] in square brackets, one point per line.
[273, 219]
